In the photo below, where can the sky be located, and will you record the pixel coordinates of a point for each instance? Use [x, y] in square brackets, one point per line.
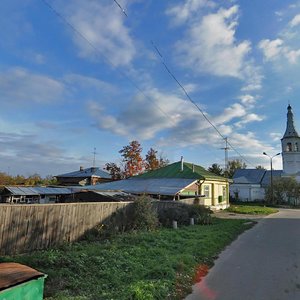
[84, 74]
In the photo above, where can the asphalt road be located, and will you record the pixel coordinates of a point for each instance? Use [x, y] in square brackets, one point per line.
[262, 264]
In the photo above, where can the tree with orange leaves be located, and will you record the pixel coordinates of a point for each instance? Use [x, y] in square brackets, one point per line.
[132, 159]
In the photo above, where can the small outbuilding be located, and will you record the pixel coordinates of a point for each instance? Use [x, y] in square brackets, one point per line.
[27, 195]
[88, 176]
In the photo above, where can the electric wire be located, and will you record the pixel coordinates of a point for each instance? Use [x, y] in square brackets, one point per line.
[195, 104]
[79, 33]
[122, 9]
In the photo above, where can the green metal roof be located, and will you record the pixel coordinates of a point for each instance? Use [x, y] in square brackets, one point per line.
[174, 171]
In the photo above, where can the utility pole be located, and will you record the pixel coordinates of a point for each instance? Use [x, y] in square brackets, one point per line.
[226, 148]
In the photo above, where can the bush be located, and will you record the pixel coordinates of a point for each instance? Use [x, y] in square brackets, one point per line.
[140, 215]
[179, 213]
[182, 214]
[201, 214]
[144, 216]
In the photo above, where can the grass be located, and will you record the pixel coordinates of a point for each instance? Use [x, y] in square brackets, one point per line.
[142, 265]
[251, 209]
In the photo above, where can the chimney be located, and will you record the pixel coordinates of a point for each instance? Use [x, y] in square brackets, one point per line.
[81, 168]
[181, 163]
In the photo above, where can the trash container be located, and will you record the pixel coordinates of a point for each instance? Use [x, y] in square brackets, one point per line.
[19, 282]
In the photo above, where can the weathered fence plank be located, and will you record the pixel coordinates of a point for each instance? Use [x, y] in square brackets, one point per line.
[24, 228]
[29, 227]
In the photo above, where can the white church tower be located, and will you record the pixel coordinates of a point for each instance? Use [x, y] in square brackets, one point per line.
[290, 144]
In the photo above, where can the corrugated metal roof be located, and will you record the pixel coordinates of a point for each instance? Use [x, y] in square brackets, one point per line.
[35, 191]
[52, 191]
[85, 173]
[248, 176]
[110, 193]
[174, 171]
[158, 186]
[22, 190]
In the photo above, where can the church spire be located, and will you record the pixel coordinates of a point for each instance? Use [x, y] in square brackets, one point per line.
[290, 128]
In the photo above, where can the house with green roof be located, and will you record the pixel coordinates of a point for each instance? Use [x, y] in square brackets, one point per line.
[176, 181]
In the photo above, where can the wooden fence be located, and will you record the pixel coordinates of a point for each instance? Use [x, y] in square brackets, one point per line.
[38, 226]
[24, 228]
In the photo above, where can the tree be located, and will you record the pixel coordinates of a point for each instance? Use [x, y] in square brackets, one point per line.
[284, 189]
[259, 167]
[133, 163]
[163, 161]
[216, 169]
[132, 159]
[115, 171]
[232, 166]
[151, 161]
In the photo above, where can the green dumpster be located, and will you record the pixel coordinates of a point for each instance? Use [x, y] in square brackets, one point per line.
[19, 282]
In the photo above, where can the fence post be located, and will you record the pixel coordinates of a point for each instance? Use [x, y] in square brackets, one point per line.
[174, 224]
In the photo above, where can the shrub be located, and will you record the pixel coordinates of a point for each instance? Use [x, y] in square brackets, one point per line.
[179, 213]
[182, 214]
[140, 215]
[201, 214]
[144, 217]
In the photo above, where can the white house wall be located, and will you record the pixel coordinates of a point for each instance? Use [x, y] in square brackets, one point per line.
[247, 192]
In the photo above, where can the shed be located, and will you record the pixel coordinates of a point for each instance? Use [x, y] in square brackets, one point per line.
[88, 176]
[20, 282]
[38, 194]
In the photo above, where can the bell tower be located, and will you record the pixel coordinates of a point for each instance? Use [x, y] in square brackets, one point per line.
[290, 144]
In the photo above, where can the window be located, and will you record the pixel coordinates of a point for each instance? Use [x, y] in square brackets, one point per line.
[296, 147]
[289, 147]
[206, 191]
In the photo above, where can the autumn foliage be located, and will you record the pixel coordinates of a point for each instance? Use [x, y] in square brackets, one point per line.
[133, 162]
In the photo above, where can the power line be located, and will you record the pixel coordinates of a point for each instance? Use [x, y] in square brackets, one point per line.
[227, 143]
[122, 9]
[196, 105]
[79, 33]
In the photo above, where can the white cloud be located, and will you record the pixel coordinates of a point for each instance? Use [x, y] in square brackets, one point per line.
[247, 99]
[210, 45]
[102, 24]
[276, 50]
[271, 49]
[253, 78]
[19, 85]
[249, 118]
[88, 83]
[235, 111]
[276, 136]
[295, 21]
[144, 117]
[184, 11]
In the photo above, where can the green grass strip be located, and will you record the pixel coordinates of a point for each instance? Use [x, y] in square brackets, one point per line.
[162, 264]
[251, 209]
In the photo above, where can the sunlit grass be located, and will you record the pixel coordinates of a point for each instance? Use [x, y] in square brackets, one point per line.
[251, 209]
[142, 265]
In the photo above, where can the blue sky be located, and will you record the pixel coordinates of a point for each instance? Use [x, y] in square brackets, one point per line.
[62, 95]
